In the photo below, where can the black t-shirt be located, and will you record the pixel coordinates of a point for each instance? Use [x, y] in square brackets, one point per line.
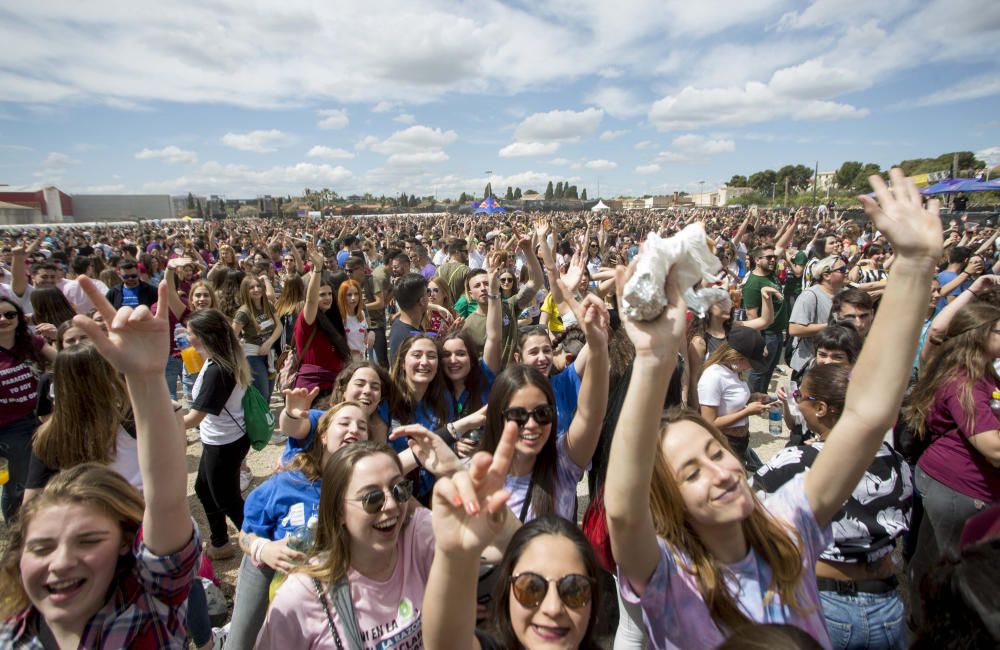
[43, 406]
[216, 386]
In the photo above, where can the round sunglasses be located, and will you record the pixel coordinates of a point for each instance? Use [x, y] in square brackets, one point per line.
[543, 414]
[372, 502]
[530, 589]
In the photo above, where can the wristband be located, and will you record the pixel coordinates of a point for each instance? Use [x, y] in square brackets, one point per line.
[973, 292]
[446, 434]
[256, 550]
[290, 416]
[493, 296]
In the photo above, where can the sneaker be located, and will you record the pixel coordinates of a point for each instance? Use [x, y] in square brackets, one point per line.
[220, 552]
[278, 438]
[246, 478]
[219, 636]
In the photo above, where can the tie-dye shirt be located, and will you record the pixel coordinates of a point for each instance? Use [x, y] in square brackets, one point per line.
[675, 614]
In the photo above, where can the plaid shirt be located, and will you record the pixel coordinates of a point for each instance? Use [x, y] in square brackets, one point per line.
[147, 607]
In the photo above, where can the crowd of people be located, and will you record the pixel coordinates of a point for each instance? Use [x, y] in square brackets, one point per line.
[443, 386]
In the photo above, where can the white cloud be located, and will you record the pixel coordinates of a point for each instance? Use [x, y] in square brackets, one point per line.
[257, 141]
[559, 161]
[671, 157]
[558, 126]
[517, 149]
[652, 168]
[815, 80]
[417, 158]
[617, 102]
[366, 142]
[645, 144]
[990, 155]
[414, 139]
[697, 144]
[383, 107]
[963, 91]
[57, 159]
[333, 118]
[116, 188]
[611, 135]
[600, 164]
[217, 177]
[404, 118]
[171, 153]
[320, 151]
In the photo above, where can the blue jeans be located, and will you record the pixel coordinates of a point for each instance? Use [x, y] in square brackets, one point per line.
[250, 605]
[760, 382]
[198, 622]
[175, 366]
[864, 620]
[187, 382]
[258, 369]
[15, 446]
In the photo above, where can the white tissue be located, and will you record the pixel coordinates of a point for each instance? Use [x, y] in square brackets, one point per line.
[688, 254]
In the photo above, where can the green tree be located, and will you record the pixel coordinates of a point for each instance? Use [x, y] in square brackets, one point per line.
[737, 181]
[201, 211]
[848, 172]
[570, 192]
[549, 192]
[763, 181]
[517, 193]
[487, 191]
[413, 201]
[860, 183]
[509, 196]
[583, 196]
[463, 197]
[559, 193]
[190, 203]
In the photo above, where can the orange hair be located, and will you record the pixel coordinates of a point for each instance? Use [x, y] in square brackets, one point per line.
[342, 299]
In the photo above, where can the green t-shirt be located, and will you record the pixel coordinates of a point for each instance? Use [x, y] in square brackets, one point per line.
[475, 325]
[464, 307]
[752, 300]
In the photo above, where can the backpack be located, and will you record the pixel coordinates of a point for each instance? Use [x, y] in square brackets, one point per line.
[258, 421]
[289, 362]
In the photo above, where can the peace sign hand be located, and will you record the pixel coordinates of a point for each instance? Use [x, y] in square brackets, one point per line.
[136, 343]
[470, 508]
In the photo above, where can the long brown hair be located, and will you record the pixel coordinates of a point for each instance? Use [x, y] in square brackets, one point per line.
[51, 306]
[775, 543]
[219, 339]
[332, 546]
[292, 296]
[402, 402]
[88, 484]
[961, 357]
[246, 302]
[85, 414]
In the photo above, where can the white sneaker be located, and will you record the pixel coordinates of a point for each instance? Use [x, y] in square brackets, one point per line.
[219, 636]
[278, 438]
[246, 478]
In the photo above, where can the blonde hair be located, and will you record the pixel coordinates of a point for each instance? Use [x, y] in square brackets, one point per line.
[85, 415]
[726, 356]
[88, 484]
[777, 543]
[219, 339]
[310, 460]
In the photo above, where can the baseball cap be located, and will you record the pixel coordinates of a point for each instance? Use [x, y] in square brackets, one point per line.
[749, 342]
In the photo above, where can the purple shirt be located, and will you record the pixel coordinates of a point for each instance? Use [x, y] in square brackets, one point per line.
[675, 614]
[951, 459]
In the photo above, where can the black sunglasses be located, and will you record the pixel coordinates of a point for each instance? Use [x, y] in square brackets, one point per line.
[129, 276]
[9, 315]
[543, 414]
[374, 501]
[530, 589]
[767, 257]
[506, 280]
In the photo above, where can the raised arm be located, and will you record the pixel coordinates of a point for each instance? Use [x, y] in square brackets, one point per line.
[493, 348]
[585, 429]
[882, 371]
[19, 271]
[312, 291]
[136, 345]
[636, 439]
[939, 326]
[762, 322]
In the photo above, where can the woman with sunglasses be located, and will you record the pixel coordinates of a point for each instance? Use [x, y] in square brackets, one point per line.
[372, 554]
[855, 573]
[23, 356]
[548, 466]
[694, 546]
[546, 594]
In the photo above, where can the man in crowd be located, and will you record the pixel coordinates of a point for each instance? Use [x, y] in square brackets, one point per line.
[132, 292]
[763, 276]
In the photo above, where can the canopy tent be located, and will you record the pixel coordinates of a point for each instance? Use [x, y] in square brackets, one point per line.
[490, 206]
[955, 185]
[600, 207]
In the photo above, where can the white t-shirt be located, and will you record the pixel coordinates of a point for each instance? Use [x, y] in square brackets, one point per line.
[217, 394]
[357, 331]
[126, 460]
[722, 388]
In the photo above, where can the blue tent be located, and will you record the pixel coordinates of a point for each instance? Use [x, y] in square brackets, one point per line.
[489, 206]
[955, 185]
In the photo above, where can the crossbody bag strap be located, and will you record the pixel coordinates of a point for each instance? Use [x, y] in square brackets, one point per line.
[527, 499]
[329, 616]
[242, 428]
[344, 605]
[309, 340]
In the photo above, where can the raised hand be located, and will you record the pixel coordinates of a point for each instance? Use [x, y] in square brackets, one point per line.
[591, 314]
[541, 229]
[571, 278]
[429, 449]
[661, 337]
[913, 230]
[470, 508]
[298, 401]
[136, 343]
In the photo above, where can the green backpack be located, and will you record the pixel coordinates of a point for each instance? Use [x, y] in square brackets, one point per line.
[257, 418]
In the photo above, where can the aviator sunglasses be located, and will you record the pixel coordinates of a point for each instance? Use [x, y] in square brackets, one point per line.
[543, 414]
[374, 501]
[530, 589]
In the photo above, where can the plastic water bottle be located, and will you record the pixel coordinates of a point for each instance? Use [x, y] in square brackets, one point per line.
[181, 337]
[774, 419]
[995, 403]
[192, 360]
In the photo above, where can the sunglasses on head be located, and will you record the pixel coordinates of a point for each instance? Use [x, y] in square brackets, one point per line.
[373, 502]
[543, 414]
[530, 589]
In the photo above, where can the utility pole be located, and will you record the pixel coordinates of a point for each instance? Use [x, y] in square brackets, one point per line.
[785, 202]
[815, 182]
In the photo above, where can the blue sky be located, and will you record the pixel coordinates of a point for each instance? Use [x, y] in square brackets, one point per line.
[423, 96]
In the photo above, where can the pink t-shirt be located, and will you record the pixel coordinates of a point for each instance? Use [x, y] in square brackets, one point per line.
[388, 612]
[675, 614]
[951, 459]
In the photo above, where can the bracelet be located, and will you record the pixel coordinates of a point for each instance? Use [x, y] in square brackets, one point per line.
[446, 434]
[289, 415]
[256, 550]
[493, 296]
[973, 292]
